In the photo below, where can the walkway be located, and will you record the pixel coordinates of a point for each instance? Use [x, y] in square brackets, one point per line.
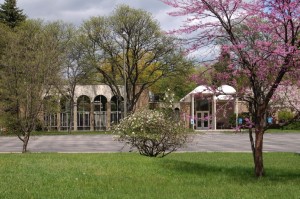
[208, 142]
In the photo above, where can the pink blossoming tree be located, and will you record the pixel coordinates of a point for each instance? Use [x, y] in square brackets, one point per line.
[262, 38]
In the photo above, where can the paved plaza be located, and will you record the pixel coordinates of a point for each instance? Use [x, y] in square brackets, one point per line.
[204, 142]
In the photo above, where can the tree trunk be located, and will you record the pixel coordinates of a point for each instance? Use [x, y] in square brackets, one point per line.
[251, 133]
[25, 142]
[258, 155]
[252, 143]
[71, 119]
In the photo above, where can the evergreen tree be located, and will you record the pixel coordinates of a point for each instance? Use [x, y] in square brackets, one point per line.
[10, 14]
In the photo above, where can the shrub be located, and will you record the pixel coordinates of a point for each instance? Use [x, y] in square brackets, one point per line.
[292, 126]
[285, 115]
[152, 132]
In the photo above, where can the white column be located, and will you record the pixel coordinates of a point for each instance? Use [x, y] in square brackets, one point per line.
[58, 121]
[193, 109]
[75, 117]
[236, 111]
[214, 113]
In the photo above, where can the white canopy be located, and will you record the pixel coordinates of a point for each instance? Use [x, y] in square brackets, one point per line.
[222, 91]
[226, 90]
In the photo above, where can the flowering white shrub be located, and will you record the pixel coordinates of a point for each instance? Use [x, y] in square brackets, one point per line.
[152, 132]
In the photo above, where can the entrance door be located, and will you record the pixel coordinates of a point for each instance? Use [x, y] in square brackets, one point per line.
[203, 120]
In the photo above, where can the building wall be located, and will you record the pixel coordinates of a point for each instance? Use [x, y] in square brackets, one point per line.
[225, 112]
[185, 112]
[243, 107]
[92, 91]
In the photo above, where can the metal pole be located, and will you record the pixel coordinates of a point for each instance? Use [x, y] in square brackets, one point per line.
[124, 73]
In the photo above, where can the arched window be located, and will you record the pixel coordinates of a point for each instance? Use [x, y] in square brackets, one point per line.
[116, 109]
[83, 112]
[100, 103]
[65, 112]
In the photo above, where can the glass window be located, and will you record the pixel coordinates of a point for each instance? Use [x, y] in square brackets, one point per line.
[202, 105]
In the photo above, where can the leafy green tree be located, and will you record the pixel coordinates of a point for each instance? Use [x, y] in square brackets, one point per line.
[76, 69]
[180, 84]
[131, 38]
[10, 14]
[31, 66]
[4, 34]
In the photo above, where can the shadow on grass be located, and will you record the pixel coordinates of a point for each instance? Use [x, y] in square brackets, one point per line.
[242, 173]
[202, 169]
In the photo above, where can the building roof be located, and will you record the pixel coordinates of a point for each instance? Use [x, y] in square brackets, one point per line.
[223, 91]
[202, 89]
[226, 90]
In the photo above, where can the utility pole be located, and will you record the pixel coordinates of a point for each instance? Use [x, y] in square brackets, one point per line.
[124, 74]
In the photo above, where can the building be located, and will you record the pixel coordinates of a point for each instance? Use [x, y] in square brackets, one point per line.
[95, 108]
[207, 108]
[204, 108]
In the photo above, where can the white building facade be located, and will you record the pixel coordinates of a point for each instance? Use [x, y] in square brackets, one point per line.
[206, 108]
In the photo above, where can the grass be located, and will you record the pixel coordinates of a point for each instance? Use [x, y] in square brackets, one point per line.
[39, 133]
[71, 133]
[268, 131]
[129, 175]
[282, 131]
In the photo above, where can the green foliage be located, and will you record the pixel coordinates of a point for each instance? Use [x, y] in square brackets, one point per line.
[285, 115]
[292, 126]
[244, 116]
[133, 34]
[152, 132]
[5, 31]
[30, 68]
[167, 102]
[180, 84]
[10, 14]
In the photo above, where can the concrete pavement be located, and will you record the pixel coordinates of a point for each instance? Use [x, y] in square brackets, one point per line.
[204, 142]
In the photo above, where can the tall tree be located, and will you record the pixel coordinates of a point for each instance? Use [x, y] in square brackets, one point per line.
[264, 51]
[5, 36]
[76, 69]
[31, 65]
[10, 14]
[130, 40]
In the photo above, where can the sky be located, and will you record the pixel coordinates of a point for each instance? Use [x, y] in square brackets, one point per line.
[76, 11]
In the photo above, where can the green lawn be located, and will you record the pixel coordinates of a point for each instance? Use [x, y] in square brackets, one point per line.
[37, 133]
[129, 175]
[268, 131]
[282, 131]
[71, 133]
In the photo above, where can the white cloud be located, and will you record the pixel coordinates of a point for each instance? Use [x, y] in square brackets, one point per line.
[76, 11]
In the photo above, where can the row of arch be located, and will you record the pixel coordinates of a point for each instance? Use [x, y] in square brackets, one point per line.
[86, 114]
